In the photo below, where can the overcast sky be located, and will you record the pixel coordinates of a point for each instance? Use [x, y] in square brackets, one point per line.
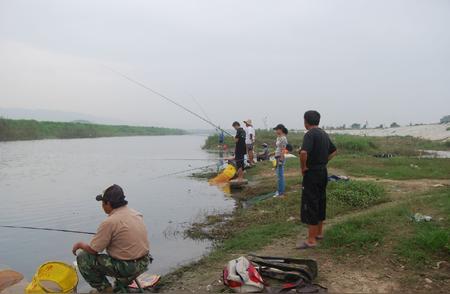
[380, 61]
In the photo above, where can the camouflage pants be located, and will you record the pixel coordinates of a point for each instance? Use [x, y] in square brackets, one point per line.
[95, 269]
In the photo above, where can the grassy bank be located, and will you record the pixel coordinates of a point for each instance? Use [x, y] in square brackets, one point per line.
[392, 232]
[12, 130]
[369, 228]
[350, 144]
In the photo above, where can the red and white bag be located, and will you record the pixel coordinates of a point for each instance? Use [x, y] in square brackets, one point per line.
[241, 276]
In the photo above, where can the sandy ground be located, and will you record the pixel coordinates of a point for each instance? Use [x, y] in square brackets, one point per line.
[431, 132]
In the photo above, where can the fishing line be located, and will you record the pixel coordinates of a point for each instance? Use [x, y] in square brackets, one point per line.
[201, 108]
[181, 172]
[186, 159]
[48, 229]
[142, 85]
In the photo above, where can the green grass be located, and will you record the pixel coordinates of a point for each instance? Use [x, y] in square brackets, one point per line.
[397, 168]
[417, 244]
[347, 144]
[428, 239]
[279, 211]
[358, 235]
[256, 237]
[11, 130]
[357, 194]
[355, 144]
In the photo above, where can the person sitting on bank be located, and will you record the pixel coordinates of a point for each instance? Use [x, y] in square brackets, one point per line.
[264, 154]
[123, 235]
[317, 150]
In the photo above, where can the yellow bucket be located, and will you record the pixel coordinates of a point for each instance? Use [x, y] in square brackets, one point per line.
[226, 175]
[54, 277]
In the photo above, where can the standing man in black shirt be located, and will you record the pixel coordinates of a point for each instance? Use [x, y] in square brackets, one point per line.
[240, 149]
[317, 150]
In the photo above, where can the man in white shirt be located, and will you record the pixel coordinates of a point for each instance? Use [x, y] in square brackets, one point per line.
[250, 140]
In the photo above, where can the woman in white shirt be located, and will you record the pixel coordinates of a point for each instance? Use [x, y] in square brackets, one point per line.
[250, 140]
[281, 131]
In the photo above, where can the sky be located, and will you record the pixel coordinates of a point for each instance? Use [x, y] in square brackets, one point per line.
[352, 60]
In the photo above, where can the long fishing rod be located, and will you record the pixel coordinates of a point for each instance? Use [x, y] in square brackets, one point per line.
[201, 108]
[187, 159]
[181, 172]
[48, 229]
[142, 85]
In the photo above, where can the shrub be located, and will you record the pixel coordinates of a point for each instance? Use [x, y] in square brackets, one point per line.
[349, 143]
[357, 194]
[354, 235]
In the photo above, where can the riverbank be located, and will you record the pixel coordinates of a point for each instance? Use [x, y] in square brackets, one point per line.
[15, 130]
[348, 143]
[426, 131]
[371, 243]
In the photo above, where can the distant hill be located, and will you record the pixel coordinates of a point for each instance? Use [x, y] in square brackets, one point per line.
[55, 115]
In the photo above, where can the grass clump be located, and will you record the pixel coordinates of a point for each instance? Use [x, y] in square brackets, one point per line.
[428, 239]
[352, 144]
[256, 237]
[354, 236]
[357, 194]
[391, 231]
[397, 168]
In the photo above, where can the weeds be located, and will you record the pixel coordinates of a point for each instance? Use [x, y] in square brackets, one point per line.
[397, 168]
[394, 233]
[354, 236]
[357, 194]
[428, 239]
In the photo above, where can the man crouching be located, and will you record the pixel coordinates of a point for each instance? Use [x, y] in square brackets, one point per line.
[123, 235]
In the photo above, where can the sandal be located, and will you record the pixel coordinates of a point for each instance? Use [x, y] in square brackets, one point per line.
[305, 245]
[319, 237]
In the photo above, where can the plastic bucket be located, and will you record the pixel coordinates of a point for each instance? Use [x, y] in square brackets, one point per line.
[54, 277]
[226, 175]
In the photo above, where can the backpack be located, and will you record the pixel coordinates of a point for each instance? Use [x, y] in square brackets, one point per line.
[241, 276]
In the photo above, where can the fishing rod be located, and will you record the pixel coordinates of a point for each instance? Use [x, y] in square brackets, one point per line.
[201, 107]
[181, 172]
[48, 229]
[187, 159]
[142, 85]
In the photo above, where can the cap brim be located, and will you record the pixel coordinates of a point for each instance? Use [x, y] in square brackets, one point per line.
[99, 197]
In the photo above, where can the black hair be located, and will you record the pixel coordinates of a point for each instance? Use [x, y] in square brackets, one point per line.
[282, 128]
[289, 147]
[236, 124]
[115, 205]
[312, 117]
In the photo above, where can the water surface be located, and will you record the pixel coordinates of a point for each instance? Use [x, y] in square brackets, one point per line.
[52, 183]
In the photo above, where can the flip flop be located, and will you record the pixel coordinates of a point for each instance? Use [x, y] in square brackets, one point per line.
[305, 246]
[320, 237]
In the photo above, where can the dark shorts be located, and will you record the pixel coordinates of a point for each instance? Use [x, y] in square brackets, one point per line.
[314, 202]
[249, 147]
[240, 158]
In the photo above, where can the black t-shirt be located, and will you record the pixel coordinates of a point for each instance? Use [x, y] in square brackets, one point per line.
[241, 148]
[319, 146]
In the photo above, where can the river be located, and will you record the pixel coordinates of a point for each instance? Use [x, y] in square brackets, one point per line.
[52, 183]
